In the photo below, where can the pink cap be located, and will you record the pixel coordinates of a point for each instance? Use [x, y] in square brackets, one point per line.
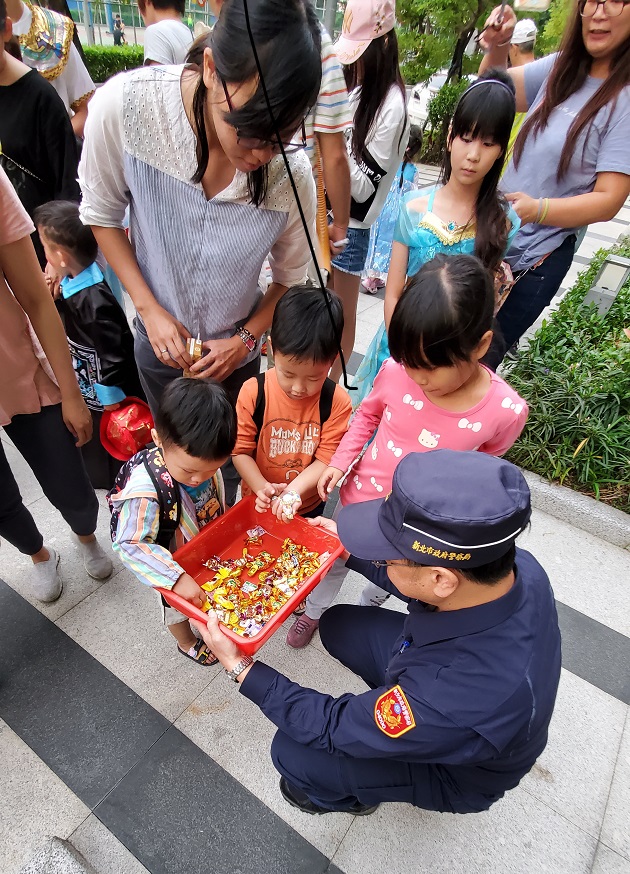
[364, 21]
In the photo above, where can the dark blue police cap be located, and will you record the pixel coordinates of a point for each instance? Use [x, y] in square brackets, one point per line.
[446, 508]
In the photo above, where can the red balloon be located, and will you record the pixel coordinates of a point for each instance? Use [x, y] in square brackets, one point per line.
[126, 430]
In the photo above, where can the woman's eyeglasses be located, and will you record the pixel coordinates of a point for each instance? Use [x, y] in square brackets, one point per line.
[612, 8]
[253, 144]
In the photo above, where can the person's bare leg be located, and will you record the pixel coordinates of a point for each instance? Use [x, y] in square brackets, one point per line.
[347, 287]
[182, 633]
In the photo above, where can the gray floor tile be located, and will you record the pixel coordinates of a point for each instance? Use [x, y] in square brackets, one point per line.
[577, 562]
[609, 862]
[104, 852]
[34, 803]
[574, 772]
[595, 652]
[15, 568]
[518, 835]
[178, 811]
[616, 828]
[121, 626]
[235, 733]
[86, 725]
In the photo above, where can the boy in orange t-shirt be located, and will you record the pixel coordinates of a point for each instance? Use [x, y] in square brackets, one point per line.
[292, 418]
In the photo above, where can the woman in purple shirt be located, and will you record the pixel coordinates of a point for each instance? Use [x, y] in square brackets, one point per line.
[570, 164]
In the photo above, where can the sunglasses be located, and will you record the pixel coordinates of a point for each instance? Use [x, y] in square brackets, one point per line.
[253, 144]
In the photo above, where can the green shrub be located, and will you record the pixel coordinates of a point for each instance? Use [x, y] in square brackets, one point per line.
[440, 111]
[575, 376]
[105, 61]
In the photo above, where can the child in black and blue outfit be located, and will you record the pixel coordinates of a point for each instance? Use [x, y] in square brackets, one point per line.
[99, 336]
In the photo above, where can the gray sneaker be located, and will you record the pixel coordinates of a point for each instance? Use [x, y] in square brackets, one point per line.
[97, 563]
[46, 583]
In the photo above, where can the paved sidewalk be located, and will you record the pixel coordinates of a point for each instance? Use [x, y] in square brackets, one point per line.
[145, 762]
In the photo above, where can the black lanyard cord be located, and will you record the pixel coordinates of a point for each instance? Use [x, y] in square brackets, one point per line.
[297, 198]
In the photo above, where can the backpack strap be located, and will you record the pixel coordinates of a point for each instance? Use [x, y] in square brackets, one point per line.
[168, 497]
[259, 410]
[326, 400]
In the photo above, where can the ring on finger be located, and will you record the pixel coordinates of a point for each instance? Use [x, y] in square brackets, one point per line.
[164, 352]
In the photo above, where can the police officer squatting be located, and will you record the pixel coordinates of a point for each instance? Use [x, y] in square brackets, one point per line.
[461, 687]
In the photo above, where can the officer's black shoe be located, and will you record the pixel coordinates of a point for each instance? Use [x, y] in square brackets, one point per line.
[301, 800]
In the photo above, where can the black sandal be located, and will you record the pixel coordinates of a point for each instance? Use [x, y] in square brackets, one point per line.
[203, 656]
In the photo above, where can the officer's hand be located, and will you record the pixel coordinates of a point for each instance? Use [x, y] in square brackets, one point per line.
[331, 527]
[224, 649]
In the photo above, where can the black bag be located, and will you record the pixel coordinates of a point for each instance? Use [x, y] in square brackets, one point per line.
[165, 486]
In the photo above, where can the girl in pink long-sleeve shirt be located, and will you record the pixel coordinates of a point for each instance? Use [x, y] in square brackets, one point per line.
[432, 393]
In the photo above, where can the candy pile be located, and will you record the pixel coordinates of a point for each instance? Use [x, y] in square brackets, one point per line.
[246, 592]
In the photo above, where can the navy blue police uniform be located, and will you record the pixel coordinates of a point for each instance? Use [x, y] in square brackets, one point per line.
[459, 701]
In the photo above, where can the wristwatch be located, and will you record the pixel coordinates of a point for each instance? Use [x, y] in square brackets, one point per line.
[238, 669]
[247, 337]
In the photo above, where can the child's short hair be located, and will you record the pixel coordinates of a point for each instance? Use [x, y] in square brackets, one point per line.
[59, 220]
[198, 416]
[307, 324]
[443, 313]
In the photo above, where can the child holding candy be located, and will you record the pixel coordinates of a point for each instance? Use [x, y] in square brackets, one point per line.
[432, 393]
[164, 496]
[292, 418]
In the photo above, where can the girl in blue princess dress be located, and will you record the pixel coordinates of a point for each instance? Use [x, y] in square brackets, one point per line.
[463, 214]
[382, 231]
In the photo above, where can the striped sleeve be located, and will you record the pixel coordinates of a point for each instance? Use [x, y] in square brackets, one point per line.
[331, 114]
[332, 111]
[138, 525]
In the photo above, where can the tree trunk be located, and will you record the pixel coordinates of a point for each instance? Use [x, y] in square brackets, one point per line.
[455, 70]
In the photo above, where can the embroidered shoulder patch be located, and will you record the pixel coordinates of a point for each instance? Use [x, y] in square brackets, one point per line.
[393, 714]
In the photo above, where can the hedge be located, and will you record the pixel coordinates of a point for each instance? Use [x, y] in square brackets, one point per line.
[575, 376]
[105, 61]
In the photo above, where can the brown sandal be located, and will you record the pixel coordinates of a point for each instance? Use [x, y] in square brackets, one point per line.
[203, 656]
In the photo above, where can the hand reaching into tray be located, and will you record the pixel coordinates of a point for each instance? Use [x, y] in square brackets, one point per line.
[187, 588]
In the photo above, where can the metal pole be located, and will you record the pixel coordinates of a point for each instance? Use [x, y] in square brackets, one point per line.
[330, 14]
[89, 27]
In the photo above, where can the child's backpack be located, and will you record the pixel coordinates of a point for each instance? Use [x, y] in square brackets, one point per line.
[166, 488]
[325, 402]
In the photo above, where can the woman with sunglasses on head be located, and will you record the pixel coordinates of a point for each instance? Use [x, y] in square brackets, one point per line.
[368, 50]
[193, 151]
[570, 163]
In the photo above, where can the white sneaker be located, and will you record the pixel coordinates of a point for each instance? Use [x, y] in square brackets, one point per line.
[46, 583]
[96, 561]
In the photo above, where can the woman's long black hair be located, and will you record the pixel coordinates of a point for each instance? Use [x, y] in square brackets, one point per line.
[486, 110]
[288, 41]
[374, 73]
[569, 73]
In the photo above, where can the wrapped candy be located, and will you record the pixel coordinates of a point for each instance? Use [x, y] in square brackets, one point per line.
[255, 535]
[244, 605]
[288, 499]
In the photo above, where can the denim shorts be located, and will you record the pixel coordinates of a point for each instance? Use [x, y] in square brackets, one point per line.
[352, 259]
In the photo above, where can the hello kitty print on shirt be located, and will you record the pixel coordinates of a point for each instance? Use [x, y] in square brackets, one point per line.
[428, 439]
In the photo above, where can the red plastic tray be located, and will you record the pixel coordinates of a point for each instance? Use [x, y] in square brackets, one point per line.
[225, 537]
